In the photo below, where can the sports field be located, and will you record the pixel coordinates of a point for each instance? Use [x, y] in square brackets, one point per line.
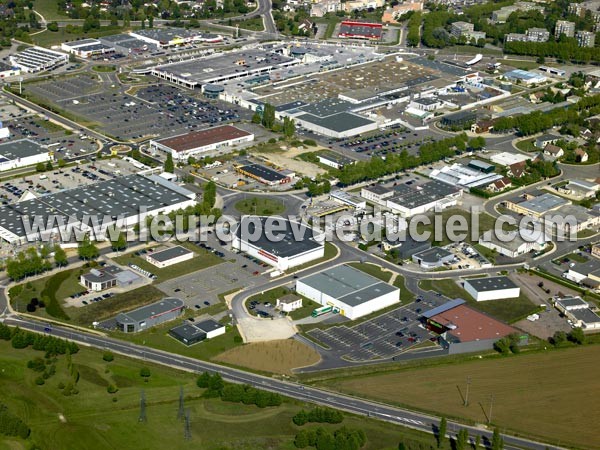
[550, 395]
[279, 356]
[93, 420]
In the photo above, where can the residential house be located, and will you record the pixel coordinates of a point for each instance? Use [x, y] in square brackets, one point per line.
[553, 150]
[546, 139]
[517, 170]
[499, 185]
[581, 155]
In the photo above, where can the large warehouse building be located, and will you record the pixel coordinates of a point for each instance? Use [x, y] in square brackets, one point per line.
[21, 153]
[294, 244]
[148, 316]
[36, 59]
[353, 292]
[492, 288]
[124, 199]
[198, 142]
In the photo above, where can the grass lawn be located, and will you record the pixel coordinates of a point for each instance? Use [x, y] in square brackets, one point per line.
[104, 68]
[527, 398]
[487, 253]
[405, 295]
[111, 306]
[485, 222]
[50, 38]
[508, 310]
[329, 252]
[49, 9]
[253, 24]
[260, 205]
[586, 233]
[373, 270]
[527, 145]
[280, 356]
[576, 257]
[525, 65]
[201, 260]
[50, 126]
[93, 419]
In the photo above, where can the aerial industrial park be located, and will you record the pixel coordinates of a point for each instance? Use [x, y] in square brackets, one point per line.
[276, 224]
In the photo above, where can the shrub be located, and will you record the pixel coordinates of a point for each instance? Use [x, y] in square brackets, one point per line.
[108, 357]
[145, 372]
[112, 389]
[40, 381]
[61, 385]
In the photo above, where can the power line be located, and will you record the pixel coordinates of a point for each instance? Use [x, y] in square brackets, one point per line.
[180, 413]
[143, 417]
[187, 430]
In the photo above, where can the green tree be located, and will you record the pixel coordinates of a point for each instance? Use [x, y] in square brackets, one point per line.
[120, 243]
[108, 356]
[40, 167]
[289, 127]
[576, 336]
[268, 117]
[256, 118]
[497, 441]
[86, 250]
[441, 435]
[169, 165]
[462, 439]
[60, 256]
[49, 165]
[145, 372]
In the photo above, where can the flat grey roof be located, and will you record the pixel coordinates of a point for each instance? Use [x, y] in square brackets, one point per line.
[423, 194]
[286, 247]
[348, 285]
[343, 121]
[377, 189]
[147, 312]
[432, 255]
[443, 308]
[587, 316]
[491, 283]
[21, 148]
[169, 253]
[187, 332]
[544, 203]
[572, 301]
[208, 325]
[336, 158]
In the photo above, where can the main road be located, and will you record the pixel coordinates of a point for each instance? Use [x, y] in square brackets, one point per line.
[392, 414]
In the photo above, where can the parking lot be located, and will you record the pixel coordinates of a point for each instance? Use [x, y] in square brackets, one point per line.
[158, 110]
[65, 178]
[382, 337]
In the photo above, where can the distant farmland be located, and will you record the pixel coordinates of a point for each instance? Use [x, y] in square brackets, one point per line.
[551, 395]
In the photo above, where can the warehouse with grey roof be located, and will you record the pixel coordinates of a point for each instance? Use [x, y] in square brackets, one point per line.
[349, 290]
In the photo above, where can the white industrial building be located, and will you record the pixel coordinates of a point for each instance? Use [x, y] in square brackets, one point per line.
[36, 59]
[21, 153]
[199, 142]
[491, 288]
[578, 311]
[277, 241]
[377, 194]
[409, 201]
[289, 303]
[507, 159]
[350, 291]
[169, 256]
[463, 176]
[349, 199]
[169, 37]
[86, 48]
[517, 243]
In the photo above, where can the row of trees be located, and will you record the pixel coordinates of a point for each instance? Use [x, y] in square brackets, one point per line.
[508, 344]
[22, 339]
[378, 167]
[319, 415]
[565, 49]
[461, 442]
[33, 262]
[216, 387]
[575, 336]
[413, 36]
[537, 121]
[343, 438]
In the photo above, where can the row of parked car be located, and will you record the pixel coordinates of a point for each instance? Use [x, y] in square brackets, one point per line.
[99, 298]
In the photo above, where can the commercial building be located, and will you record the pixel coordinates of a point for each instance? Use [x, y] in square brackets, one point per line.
[578, 311]
[491, 288]
[350, 291]
[85, 48]
[482, 166]
[586, 273]
[360, 30]
[37, 59]
[169, 256]
[148, 316]
[426, 103]
[463, 176]
[507, 159]
[192, 333]
[564, 27]
[433, 258]
[195, 143]
[462, 329]
[537, 206]
[126, 44]
[525, 77]
[334, 160]
[8, 70]
[586, 38]
[21, 153]
[459, 119]
[124, 200]
[337, 125]
[289, 303]
[264, 175]
[517, 243]
[580, 189]
[107, 277]
[377, 194]
[347, 198]
[277, 241]
[433, 195]
[169, 37]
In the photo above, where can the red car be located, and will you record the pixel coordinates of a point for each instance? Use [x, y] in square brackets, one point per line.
[256, 272]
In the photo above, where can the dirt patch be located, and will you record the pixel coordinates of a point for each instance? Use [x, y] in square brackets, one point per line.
[279, 356]
[286, 159]
[529, 284]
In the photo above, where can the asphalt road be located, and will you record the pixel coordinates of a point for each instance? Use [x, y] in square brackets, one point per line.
[347, 403]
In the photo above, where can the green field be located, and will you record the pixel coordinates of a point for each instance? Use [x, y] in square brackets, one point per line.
[104, 68]
[508, 310]
[329, 252]
[93, 419]
[50, 38]
[373, 270]
[260, 205]
[527, 397]
[253, 24]
[201, 260]
[49, 9]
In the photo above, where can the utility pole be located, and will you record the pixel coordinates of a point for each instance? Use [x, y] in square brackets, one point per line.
[187, 430]
[143, 417]
[180, 413]
[467, 392]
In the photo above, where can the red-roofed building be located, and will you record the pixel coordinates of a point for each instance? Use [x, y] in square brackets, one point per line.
[197, 142]
[360, 30]
[463, 329]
